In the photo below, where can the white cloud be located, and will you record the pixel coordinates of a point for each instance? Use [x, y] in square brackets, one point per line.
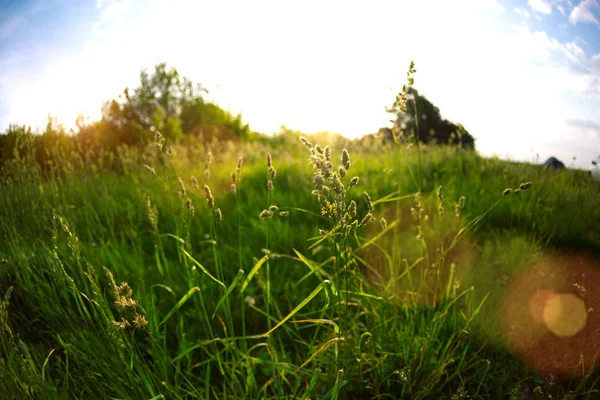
[522, 11]
[541, 6]
[561, 9]
[583, 12]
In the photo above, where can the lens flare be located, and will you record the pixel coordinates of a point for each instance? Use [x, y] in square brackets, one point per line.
[565, 315]
[547, 314]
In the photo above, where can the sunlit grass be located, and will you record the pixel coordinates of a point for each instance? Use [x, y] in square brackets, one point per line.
[404, 314]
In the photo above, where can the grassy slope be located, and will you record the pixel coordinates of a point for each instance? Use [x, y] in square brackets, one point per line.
[59, 340]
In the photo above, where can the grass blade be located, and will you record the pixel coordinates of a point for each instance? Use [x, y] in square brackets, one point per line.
[252, 272]
[298, 308]
[180, 303]
[228, 292]
[202, 268]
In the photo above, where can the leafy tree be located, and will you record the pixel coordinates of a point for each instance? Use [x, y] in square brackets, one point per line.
[166, 102]
[432, 127]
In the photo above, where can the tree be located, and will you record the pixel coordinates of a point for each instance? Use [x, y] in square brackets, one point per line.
[166, 102]
[432, 127]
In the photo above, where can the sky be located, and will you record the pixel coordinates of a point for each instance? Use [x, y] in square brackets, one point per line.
[523, 76]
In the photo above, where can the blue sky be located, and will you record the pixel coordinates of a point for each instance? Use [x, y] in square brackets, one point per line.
[522, 76]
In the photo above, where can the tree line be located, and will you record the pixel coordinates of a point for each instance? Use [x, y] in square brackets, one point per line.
[173, 105]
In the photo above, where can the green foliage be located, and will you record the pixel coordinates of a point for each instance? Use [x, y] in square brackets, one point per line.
[172, 105]
[164, 102]
[432, 128]
[406, 324]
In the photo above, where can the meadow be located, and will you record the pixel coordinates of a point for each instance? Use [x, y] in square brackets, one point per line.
[169, 278]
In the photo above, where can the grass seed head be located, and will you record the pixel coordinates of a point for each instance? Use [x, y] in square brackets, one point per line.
[210, 200]
[353, 182]
[346, 159]
[440, 195]
[124, 290]
[284, 213]
[123, 324]
[149, 168]
[194, 182]
[181, 187]
[264, 214]
[272, 173]
[273, 209]
[208, 160]
[190, 206]
[352, 209]
[327, 153]
[368, 218]
[383, 223]
[270, 185]
[233, 178]
[368, 201]
[269, 160]
[459, 206]
[306, 143]
[525, 186]
[318, 180]
[238, 167]
[506, 192]
[218, 215]
[233, 188]
[139, 321]
[342, 171]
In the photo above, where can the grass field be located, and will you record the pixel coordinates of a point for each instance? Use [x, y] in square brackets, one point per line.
[128, 285]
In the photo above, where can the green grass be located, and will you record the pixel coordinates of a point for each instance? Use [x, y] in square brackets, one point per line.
[278, 308]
